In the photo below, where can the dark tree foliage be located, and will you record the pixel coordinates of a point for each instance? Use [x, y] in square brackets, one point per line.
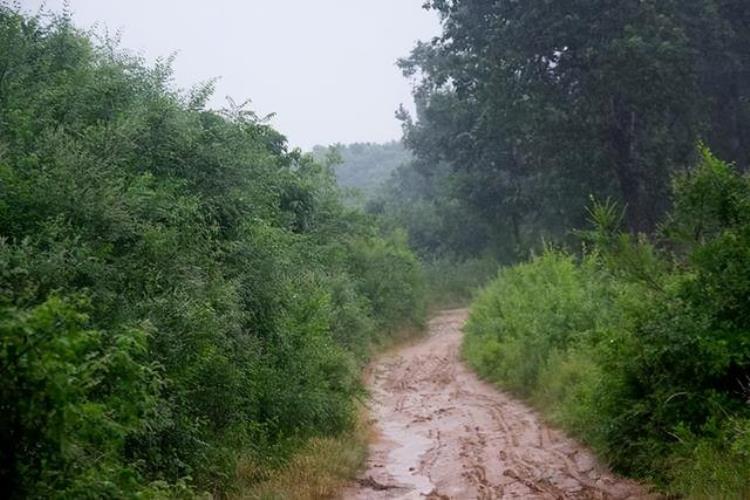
[177, 288]
[535, 105]
[438, 222]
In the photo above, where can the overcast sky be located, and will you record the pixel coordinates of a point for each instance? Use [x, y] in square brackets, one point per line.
[325, 67]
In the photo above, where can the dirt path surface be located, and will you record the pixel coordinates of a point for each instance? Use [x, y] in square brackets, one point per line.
[444, 434]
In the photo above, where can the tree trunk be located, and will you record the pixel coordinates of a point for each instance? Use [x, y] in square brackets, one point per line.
[730, 136]
[622, 137]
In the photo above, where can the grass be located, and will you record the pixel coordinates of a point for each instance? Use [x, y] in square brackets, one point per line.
[324, 466]
[454, 283]
[321, 469]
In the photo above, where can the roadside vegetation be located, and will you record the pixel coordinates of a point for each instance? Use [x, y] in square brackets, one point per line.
[184, 301]
[452, 282]
[639, 349]
[321, 468]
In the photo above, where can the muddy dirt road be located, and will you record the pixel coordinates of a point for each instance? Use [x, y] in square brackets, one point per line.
[442, 433]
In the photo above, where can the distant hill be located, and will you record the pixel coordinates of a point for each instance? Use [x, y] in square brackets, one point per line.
[365, 166]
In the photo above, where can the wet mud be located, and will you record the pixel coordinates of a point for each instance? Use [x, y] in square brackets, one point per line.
[441, 433]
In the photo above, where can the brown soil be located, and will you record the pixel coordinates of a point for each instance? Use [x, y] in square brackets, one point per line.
[442, 434]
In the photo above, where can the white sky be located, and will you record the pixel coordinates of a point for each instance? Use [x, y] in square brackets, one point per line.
[325, 67]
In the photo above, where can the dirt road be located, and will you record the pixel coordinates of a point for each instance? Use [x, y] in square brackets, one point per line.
[444, 434]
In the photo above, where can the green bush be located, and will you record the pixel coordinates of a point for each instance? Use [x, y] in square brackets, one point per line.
[642, 351]
[390, 276]
[178, 290]
[532, 311]
[714, 468]
[70, 397]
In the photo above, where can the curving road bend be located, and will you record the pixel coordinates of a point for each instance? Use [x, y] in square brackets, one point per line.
[444, 434]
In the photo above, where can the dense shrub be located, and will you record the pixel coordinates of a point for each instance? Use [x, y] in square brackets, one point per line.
[177, 288]
[389, 275]
[532, 311]
[643, 351]
[452, 282]
[70, 398]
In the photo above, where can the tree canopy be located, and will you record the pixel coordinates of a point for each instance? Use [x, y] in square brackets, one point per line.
[536, 105]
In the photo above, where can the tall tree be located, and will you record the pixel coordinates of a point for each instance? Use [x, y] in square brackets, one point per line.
[538, 104]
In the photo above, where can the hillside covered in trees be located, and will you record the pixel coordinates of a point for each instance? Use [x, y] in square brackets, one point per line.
[364, 167]
[180, 293]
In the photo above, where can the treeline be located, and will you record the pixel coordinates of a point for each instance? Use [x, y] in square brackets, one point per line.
[363, 167]
[178, 290]
[641, 351]
[524, 109]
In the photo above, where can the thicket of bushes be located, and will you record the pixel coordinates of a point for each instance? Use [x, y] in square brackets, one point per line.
[178, 290]
[642, 350]
[453, 282]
